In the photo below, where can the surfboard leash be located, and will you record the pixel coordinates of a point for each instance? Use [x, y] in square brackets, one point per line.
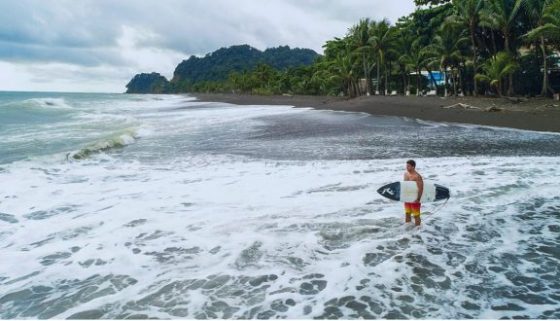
[442, 205]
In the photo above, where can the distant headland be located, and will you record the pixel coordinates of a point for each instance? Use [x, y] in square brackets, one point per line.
[196, 73]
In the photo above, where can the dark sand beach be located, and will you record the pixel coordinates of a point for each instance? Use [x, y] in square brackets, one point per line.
[538, 114]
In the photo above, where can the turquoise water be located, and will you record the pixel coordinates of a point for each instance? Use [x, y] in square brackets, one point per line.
[137, 206]
[39, 124]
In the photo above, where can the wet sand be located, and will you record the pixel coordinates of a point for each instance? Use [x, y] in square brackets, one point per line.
[539, 114]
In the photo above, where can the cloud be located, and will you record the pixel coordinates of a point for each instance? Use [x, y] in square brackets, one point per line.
[22, 52]
[156, 35]
[62, 77]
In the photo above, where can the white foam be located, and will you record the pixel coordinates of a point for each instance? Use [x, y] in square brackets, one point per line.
[195, 216]
[118, 140]
[495, 128]
[287, 207]
[49, 102]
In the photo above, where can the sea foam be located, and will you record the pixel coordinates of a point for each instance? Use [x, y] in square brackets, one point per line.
[271, 212]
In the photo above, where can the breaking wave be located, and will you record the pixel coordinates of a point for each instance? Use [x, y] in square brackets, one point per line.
[48, 103]
[118, 140]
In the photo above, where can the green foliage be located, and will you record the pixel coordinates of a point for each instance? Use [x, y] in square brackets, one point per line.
[430, 2]
[469, 41]
[148, 83]
[218, 65]
[548, 23]
[424, 23]
[496, 69]
[382, 40]
[530, 71]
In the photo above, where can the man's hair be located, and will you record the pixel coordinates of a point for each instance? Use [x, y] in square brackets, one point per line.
[411, 162]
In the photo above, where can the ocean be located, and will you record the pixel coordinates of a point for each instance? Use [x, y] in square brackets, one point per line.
[161, 206]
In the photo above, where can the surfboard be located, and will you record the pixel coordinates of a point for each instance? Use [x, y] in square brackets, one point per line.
[407, 191]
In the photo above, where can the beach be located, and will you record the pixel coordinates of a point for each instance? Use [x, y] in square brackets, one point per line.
[226, 160]
[168, 207]
[538, 114]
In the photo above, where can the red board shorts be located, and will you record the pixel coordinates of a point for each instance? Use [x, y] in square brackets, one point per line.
[412, 208]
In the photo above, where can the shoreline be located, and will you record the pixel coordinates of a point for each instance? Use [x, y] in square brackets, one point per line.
[535, 114]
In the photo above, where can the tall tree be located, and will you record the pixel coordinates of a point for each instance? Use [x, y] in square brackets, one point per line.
[546, 14]
[340, 65]
[501, 15]
[467, 14]
[342, 70]
[403, 48]
[551, 27]
[416, 59]
[332, 48]
[381, 38]
[446, 52]
[360, 42]
[496, 68]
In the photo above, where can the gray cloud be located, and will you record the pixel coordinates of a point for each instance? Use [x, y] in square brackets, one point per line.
[57, 23]
[96, 33]
[85, 56]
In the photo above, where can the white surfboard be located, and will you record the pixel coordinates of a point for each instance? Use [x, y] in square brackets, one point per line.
[407, 191]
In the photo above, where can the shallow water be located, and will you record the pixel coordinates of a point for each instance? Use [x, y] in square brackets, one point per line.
[209, 210]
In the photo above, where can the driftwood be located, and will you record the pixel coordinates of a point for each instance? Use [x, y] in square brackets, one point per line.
[544, 107]
[493, 109]
[461, 105]
[465, 106]
[515, 100]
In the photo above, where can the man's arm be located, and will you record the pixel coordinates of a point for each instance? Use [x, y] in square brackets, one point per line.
[420, 184]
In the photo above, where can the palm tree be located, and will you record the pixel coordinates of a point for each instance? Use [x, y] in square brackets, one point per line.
[501, 15]
[495, 69]
[416, 58]
[381, 38]
[320, 76]
[403, 46]
[360, 42]
[339, 61]
[240, 81]
[467, 13]
[546, 13]
[446, 52]
[263, 75]
[551, 27]
[342, 70]
[334, 47]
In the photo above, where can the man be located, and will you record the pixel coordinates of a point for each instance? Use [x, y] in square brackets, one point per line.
[413, 208]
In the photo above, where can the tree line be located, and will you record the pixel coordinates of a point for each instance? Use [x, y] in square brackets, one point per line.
[210, 71]
[479, 47]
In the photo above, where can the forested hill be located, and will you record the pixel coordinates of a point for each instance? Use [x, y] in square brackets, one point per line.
[219, 64]
[145, 83]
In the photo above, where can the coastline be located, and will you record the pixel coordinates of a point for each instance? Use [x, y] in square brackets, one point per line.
[535, 114]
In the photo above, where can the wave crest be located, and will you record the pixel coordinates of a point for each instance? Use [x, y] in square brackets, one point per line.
[118, 140]
[48, 102]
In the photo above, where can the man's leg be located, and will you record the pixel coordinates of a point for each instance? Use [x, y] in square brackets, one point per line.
[417, 220]
[416, 214]
[407, 212]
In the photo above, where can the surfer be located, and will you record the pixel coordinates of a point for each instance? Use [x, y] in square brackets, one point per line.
[413, 208]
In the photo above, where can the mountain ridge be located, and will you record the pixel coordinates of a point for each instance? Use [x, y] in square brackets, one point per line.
[217, 66]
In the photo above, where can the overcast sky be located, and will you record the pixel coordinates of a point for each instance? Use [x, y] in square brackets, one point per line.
[98, 45]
